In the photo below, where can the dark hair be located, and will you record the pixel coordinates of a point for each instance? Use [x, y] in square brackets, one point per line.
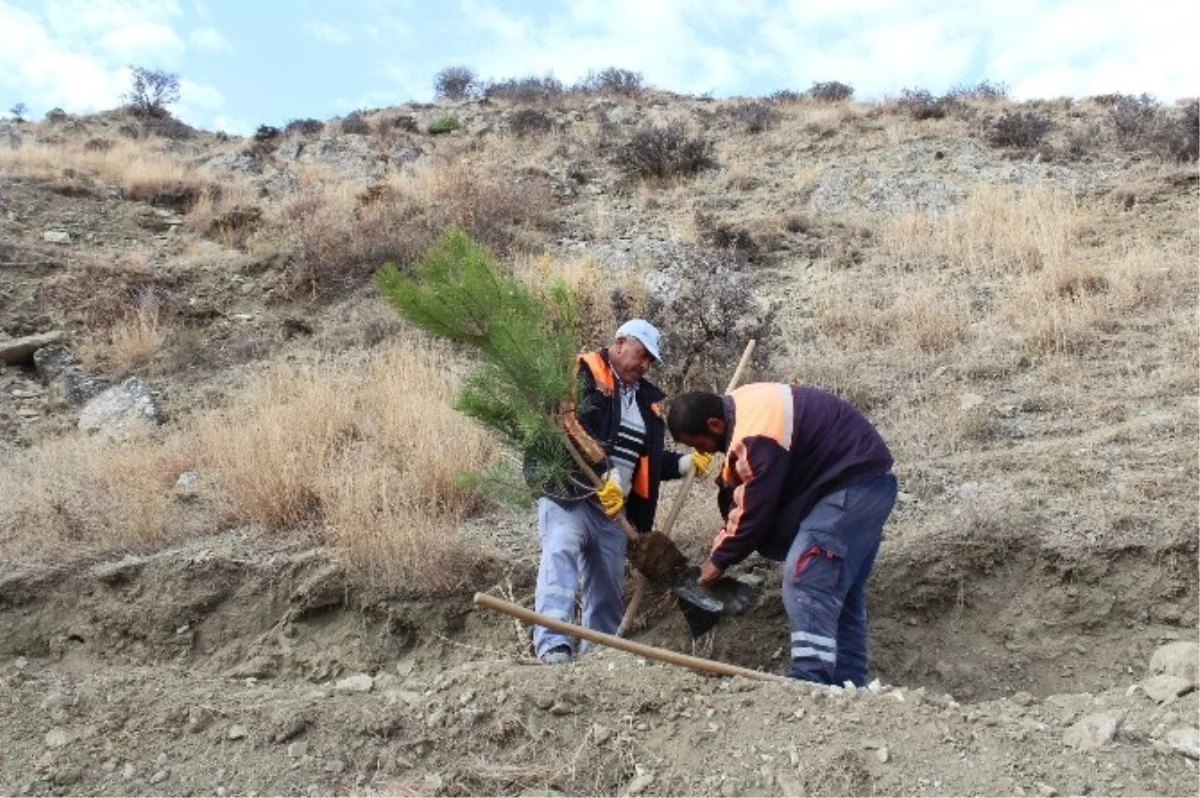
[690, 411]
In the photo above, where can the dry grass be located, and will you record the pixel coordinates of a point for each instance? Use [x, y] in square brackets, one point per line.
[998, 230]
[141, 169]
[927, 318]
[71, 494]
[369, 453]
[130, 344]
[604, 297]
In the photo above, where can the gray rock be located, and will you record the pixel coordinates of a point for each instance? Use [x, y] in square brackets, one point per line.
[601, 734]
[159, 776]
[128, 771]
[358, 683]
[22, 350]
[1166, 687]
[638, 784]
[57, 738]
[1185, 740]
[236, 732]
[116, 411]
[1092, 731]
[1181, 658]
[56, 237]
[297, 750]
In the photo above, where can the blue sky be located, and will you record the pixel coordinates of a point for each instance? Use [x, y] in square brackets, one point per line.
[247, 62]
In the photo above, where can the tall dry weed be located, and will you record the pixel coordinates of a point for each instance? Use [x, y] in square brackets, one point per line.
[371, 452]
[997, 230]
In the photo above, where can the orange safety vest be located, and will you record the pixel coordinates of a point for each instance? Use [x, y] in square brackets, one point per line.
[593, 452]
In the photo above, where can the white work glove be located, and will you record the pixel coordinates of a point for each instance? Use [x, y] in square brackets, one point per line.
[696, 463]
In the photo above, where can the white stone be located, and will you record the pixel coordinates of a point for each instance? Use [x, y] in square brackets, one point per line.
[1185, 740]
[1092, 731]
[358, 683]
[1181, 658]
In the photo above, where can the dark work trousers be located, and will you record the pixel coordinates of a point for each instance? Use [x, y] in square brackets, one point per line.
[825, 581]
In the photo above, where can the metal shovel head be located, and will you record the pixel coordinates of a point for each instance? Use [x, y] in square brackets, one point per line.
[734, 596]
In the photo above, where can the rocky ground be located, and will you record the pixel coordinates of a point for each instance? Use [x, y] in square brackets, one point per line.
[1035, 608]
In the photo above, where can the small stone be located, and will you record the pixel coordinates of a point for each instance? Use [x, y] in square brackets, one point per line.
[57, 738]
[1045, 789]
[436, 718]
[1167, 687]
[20, 663]
[882, 753]
[1092, 731]
[601, 734]
[638, 784]
[297, 750]
[358, 683]
[334, 766]
[434, 782]
[236, 732]
[128, 771]
[1181, 658]
[1185, 740]
[56, 237]
[159, 776]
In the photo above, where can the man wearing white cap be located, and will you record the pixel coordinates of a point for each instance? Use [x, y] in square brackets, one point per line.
[619, 430]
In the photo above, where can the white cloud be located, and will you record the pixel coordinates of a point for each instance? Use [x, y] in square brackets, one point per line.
[208, 39]
[75, 54]
[330, 34]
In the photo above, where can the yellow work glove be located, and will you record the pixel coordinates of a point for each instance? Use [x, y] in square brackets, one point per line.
[695, 463]
[611, 497]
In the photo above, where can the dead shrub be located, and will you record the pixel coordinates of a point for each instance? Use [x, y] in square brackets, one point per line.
[612, 80]
[1018, 130]
[725, 236]
[920, 104]
[455, 83]
[665, 152]
[304, 127]
[830, 91]
[528, 121]
[525, 90]
[754, 117]
[356, 124]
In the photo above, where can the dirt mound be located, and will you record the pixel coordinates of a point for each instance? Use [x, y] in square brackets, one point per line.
[231, 667]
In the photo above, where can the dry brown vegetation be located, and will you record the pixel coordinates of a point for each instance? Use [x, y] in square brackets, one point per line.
[902, 307]
[353, 450]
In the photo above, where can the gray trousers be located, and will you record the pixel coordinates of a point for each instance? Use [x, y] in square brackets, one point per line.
[582, 549]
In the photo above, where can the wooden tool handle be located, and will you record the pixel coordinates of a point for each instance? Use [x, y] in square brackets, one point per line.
[641, 650]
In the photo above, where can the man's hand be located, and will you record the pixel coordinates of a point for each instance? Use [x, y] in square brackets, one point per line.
[611, 497]
[709, 574]
[695, 463]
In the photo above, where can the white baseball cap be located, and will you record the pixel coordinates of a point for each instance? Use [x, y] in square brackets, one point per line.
[645, 332]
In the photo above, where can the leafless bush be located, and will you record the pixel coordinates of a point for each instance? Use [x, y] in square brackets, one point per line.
[724, 236]
[984, 90]
[831, 92]
[710, 318]
[611, 80]
[662, 152]
[786, 96]
[455, 83]
[1133, 118]
[151, 91]
[1018, 130]
[305, 127]
[355, 123]
[527, 121]
[404, 123]
[920, 104]
[98, 145]
[525, 90]
[754, 117]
